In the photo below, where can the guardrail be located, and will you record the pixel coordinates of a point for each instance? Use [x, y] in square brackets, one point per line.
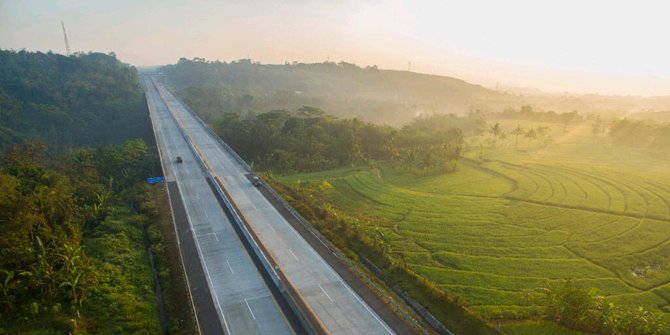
[216, 137]
[295, 300]
[405, 314]
[335, 251]
[344, 259]
[425, 314]
[310, 318]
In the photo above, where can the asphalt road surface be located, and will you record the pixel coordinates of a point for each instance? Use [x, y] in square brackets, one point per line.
[243, 302]
[337, 306]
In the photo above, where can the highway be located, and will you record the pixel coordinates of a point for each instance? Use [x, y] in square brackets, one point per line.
[243, 302]
[337, 307]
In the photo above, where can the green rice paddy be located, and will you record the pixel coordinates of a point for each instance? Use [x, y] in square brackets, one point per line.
[509, 221]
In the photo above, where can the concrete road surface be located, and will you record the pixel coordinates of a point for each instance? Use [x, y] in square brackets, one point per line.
[244, 304]
[339, 308]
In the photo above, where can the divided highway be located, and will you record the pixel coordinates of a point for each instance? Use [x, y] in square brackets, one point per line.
[241, 296]
[243, 302]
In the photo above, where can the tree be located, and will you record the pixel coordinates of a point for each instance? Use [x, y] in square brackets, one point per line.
[586, 310]
[495, 132]
[569, 118]
[516, 132]
[503, 137]
[530, 135]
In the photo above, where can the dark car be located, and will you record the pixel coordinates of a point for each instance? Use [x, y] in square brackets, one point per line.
[179, 159]
[256, 181]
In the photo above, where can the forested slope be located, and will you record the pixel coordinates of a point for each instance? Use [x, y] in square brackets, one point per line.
[341, 89]
[371, 94]
[76, 215]
[81, 100]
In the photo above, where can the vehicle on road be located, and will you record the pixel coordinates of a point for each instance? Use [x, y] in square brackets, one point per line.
[256, 181]
[179, 159]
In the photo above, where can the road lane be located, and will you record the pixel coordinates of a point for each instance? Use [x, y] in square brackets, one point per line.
[337, 306]
[244, 303]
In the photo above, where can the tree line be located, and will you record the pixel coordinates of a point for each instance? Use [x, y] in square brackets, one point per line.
[528, 113]
[310, 140]
[640, 134]
[531, 134]
[81, 100]
[343, 89]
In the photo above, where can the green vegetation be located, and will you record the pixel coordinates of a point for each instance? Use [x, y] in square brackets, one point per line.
[213, 88]
[73, 248]
[578, 308]
[537, 327]
[309, 140]
[510, 222]
[81, 100]
[641, 134]
[344, 89]
[77, 221]
[539, 197]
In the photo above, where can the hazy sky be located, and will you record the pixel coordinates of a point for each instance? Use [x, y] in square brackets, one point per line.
[579, 46]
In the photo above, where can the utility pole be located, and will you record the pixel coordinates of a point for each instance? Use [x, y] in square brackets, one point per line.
[67, 45]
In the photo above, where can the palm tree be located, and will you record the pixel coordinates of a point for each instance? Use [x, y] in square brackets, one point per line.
[516, 132]
[495, 131]
[427, 160]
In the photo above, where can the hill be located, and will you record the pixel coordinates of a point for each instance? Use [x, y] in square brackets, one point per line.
[371, 94]
[341, 89]
[82, 100]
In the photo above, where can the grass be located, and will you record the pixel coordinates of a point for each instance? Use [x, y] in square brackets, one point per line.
[510, 221]
[181, 319]
[535, 328]
[124, 301]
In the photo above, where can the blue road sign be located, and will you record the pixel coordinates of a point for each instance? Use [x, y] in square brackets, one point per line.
[155, 180]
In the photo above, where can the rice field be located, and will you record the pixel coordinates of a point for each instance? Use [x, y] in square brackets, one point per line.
[510, 221]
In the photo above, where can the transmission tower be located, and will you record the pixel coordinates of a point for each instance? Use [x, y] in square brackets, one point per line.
[67, 45]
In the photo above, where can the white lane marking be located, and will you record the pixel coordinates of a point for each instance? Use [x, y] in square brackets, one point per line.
[216, 236]
[207, 216]
[273, 230]
[326, 293]
[230, 267]
[249, 307]
[234, 165]
[188, 216]
[294, 256]
[364, 304]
